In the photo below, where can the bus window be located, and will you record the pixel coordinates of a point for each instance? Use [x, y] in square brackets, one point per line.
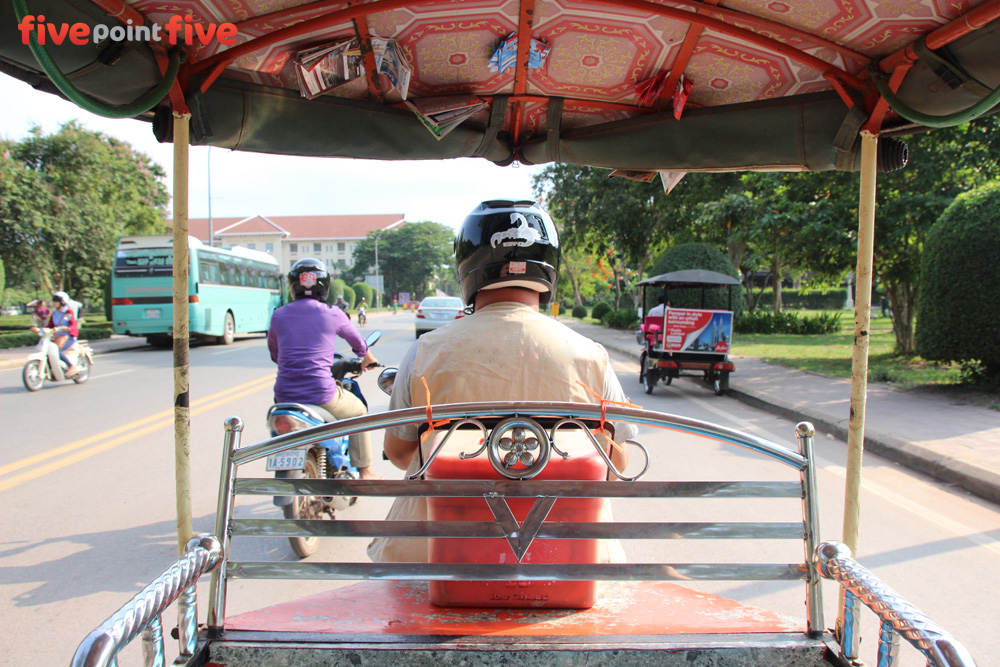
[133, 263]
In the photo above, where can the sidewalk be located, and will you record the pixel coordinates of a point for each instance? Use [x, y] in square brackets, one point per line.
[945, 439]
[15, 356]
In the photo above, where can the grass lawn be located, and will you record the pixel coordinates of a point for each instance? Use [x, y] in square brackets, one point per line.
[830, 354]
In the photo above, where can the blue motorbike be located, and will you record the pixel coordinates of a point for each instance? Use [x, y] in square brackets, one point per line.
[328, 459]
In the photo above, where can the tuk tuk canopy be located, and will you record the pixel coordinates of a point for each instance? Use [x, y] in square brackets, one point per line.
[635, 85]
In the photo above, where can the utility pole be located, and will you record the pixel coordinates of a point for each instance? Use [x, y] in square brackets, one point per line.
[211, 233]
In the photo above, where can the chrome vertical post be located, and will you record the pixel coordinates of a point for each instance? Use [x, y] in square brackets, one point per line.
[152, 644]
[187, 622]
[805, 432]
[223, 516]
[888, 645]
[850, 629]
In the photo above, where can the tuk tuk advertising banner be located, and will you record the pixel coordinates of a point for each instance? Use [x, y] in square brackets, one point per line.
[691, 330]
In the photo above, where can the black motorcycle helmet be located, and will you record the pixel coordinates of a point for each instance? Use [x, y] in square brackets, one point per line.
[506, 243]
[309, 278]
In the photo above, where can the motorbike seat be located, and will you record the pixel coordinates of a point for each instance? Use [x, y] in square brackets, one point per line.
[314, 411]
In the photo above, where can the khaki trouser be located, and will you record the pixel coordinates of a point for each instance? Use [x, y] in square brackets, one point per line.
[344, 406]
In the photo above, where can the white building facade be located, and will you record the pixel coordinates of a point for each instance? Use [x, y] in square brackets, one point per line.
[331, 239]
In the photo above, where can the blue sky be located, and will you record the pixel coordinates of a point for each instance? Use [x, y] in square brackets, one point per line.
[248, 183]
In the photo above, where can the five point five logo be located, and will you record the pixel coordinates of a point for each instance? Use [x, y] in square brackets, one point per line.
[177, 29]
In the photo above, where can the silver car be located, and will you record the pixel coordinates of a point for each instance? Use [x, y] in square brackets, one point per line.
[437, 311]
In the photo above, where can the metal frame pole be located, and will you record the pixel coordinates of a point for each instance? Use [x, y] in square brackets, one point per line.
[862, 323]
[182, 411]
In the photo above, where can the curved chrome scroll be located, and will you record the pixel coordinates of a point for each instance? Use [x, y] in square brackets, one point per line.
[600, 450]
[99, 649]
[834, 561]
[437, 450]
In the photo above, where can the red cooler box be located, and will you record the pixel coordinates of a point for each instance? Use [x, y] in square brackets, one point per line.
[584, 464]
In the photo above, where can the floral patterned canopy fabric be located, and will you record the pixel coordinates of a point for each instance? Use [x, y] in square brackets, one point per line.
[631, 84]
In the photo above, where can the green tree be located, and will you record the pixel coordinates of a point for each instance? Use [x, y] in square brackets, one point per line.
[65, 198]
[943, 163]
[412, 258]
[959, 301]
[701, 256]
[597, 214]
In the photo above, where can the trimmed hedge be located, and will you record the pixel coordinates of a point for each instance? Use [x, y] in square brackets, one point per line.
[364, 290]
[833, 299]
[958, 306]
[601, 308]
[785, 322]
[626, 318]
[579, 312]
[24, 338]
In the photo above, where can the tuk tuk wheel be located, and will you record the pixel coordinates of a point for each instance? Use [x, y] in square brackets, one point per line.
[721, 384]
[642, 366]
[667, 380]
[649, 381]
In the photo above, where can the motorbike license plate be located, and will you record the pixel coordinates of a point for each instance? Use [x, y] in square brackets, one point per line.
[152, 313]
[292, 459]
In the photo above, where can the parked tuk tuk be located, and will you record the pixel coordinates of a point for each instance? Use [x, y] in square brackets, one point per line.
[678, 338]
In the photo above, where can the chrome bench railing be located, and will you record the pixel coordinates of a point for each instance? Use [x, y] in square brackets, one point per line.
[205, 553]
[141, 615]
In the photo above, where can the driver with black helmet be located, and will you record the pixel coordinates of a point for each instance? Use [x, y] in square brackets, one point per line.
[301, 339]
[507, 256]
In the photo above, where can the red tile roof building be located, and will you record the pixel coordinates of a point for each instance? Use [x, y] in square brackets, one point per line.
[329, 238]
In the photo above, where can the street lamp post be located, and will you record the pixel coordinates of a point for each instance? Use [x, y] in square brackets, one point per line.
[378, 284]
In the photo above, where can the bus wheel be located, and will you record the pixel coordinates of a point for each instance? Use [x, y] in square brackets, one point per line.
[160, 341]
[228, 331]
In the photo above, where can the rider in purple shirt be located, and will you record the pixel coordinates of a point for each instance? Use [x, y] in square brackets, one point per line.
[301, 340]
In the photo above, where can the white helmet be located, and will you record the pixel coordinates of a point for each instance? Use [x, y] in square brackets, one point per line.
[61, 296]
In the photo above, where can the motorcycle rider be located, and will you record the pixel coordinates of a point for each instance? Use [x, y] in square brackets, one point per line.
[40, 312]
[507, 256]
[362, 312]
[63, 320]
[301, 341]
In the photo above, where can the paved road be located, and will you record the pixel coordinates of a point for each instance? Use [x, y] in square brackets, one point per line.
[86, 477]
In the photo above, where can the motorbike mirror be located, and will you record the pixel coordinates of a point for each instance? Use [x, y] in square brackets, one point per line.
[373, 338]
[386, 379]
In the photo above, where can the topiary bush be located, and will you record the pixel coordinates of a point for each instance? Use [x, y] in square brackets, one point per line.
[579, 312]
[349, 296]
[364, 290]
[958, 305]
[337, 286]
[601, 309]
[697, 256]
[626, 318]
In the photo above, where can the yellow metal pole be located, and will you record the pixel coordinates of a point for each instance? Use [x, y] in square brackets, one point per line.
[182, 412]
[859, 367]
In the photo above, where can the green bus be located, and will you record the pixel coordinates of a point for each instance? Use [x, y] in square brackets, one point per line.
[230, 291]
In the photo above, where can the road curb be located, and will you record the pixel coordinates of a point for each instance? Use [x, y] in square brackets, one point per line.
[983, 483]
[914, 456]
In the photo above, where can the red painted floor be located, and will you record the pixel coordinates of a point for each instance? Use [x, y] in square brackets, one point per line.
[623, 608]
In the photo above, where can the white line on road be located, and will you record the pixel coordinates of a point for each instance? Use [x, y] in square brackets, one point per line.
[945, 522]
[230, 350]
[107, 375]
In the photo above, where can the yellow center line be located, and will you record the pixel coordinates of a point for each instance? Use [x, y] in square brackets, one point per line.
[200, 406]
